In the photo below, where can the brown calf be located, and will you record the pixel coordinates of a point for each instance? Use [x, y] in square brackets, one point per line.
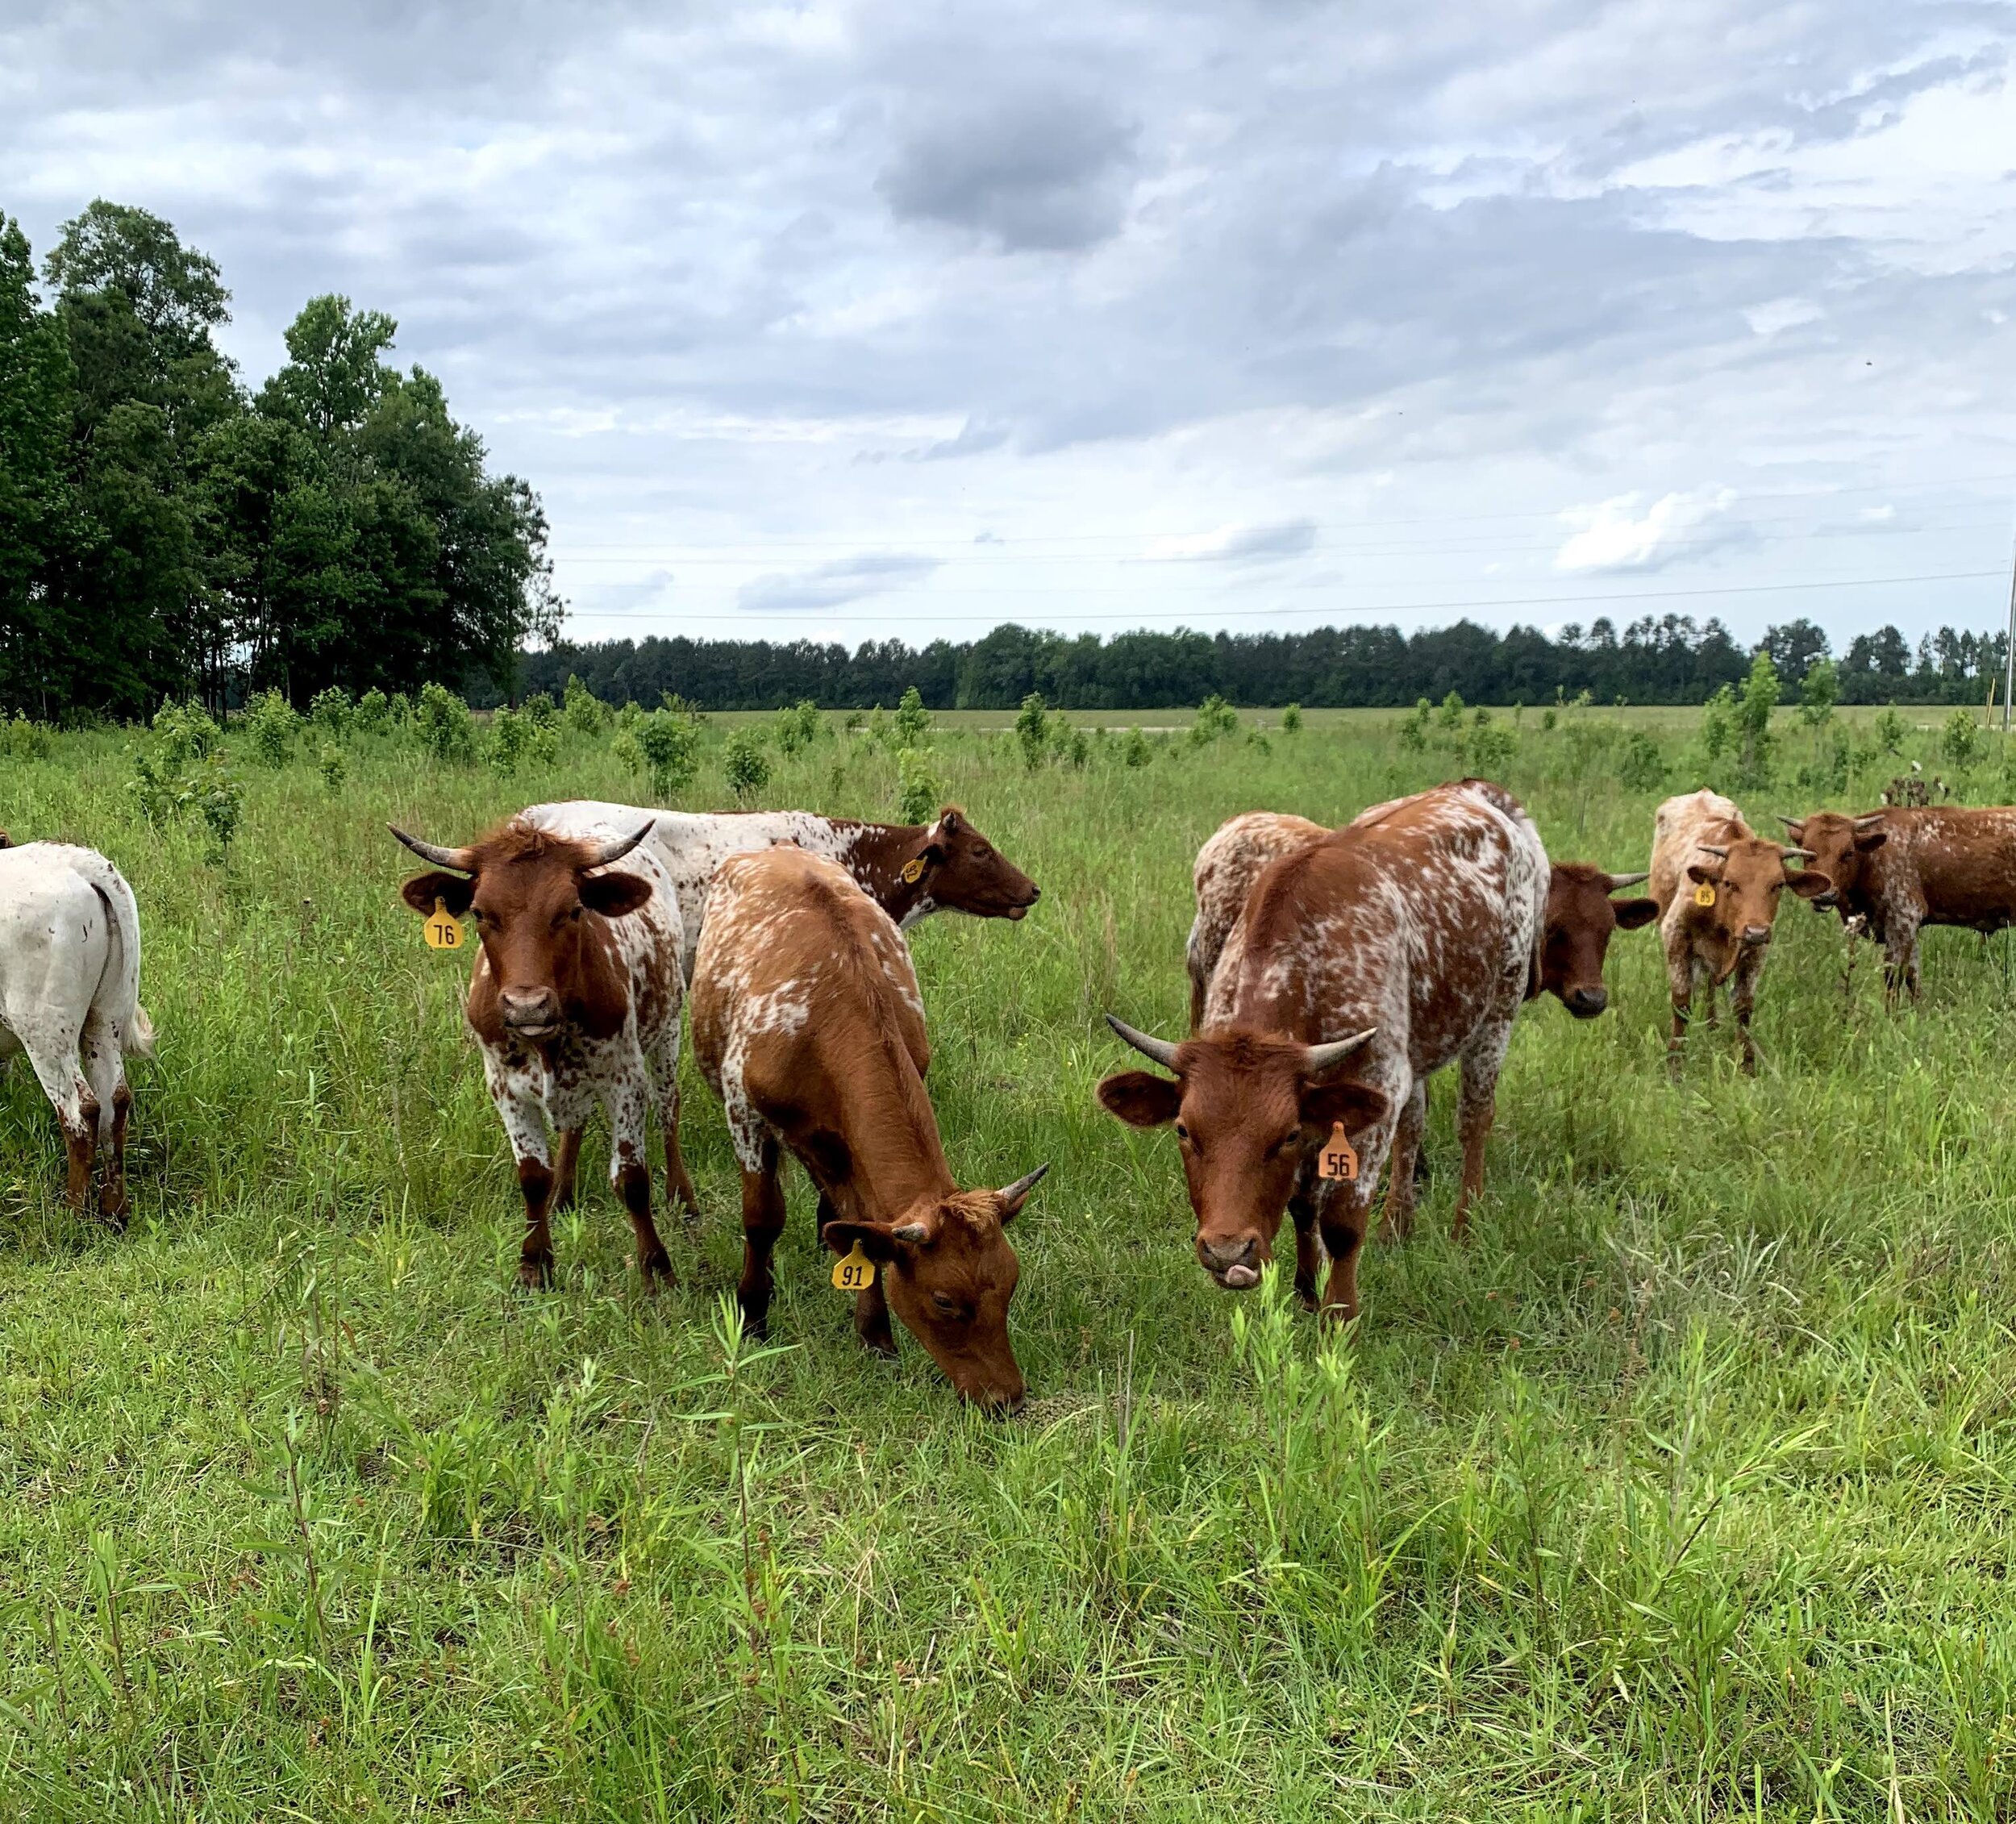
[574, 999]
[1717, 883]
[1903, 869]
[808, 1024]
[1581, 917]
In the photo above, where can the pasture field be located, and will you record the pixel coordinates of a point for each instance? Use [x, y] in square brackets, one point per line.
[1685, 1491]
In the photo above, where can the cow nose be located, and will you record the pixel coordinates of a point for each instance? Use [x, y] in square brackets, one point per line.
[1000, 1402]
[1586, 1003]
[530, 1009]
[1036, 893]
[1232, 1261]
[1754, 935]
[1824, 901]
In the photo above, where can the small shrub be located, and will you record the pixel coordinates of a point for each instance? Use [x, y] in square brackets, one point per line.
[628, 751]
[1413, 728]
[1489, 751]
[913, 720]
[23, 739]
[270, 721]
[446, 729]
[1079, 751]
[1450, 716]
[630, 715]
[185, 733]
[1134, 750]
[746, 764]
[539, 710]
[1216, 719]
[374, 713]
[1890, 732]
[331, 712]
[855, 719]
[878, 726]
[1549, 718]
[669, 743]
[798, 727]
[1643, 768]
[1292, 720]
[1960, 740]
[921, 795]
[1032, 729]
[330, 765]
[582, 711]
[220, 800]
[510, 736]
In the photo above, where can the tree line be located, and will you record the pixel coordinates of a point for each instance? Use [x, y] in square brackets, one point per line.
[1669, 660]
[167, 531]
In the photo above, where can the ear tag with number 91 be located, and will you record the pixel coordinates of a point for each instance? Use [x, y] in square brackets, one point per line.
[1704, 894]
[855, 1273]
[444, 930]
[1339, 1158]
[913, 870]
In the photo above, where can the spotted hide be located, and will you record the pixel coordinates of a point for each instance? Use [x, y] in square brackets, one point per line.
[808, 1025]
[1903, 868]
[69, 998]
[1360, 964]
[1717, 883]
[574, 1001]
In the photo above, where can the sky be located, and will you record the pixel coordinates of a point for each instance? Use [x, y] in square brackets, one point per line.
[899, 319]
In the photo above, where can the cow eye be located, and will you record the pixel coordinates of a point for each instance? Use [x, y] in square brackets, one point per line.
[1283, 1145]
[1182, 1133]
[947, 1306]
[983, 852]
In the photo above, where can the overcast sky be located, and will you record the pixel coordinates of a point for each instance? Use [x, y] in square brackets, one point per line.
[905, 318]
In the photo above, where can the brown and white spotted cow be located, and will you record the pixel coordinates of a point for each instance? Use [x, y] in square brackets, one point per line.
[808, 1024]
[1903, 868]
[574, 1000]
[1360, 963]
[1717, 883]
[1580, 914]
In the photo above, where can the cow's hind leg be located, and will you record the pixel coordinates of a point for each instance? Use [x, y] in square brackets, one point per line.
[60, 1073]
[629, 1174]
[762, 1222]
[678, 1184]
[1680, 985]
[566, 1160]
[1476, 1108]
[105, 1069]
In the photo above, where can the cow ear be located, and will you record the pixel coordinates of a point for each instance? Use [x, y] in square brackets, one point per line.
[614, 895]
[950, 823]
[1356, 1104]
[1809, 883]
[1140, 1098]
[1700, 875]
[1867, 839]
[1632, 913]
[454, 891]
[878, 1241]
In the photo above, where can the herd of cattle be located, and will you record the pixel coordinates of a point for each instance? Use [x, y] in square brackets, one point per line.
[1332, 973]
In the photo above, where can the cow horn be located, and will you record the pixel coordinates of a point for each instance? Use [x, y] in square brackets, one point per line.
[1024, 1185]
[1322, 1057]
[458, 859]
[1789, 822]
[1799, 855]
[1619, 881]
[616, 847]
[1869, 822]
[1160, 1050]
[1719, 853]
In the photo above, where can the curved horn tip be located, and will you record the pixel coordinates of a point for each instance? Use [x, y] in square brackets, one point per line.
[1715, 849]
[1159, 1049]
[457, 859]
[1789, 822]
[617, 846]
[1798, 854]
[1619, 881]
[1024, 1185]
[1333, 1052]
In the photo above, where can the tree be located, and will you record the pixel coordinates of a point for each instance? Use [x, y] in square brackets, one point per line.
[1793, 647]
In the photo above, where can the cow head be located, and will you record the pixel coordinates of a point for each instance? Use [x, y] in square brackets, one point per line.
[951, 1274]
[1840, 848]
[1580, 916]
[965, 873]
[1248, 1109]
[527, 890]
[1742, 881]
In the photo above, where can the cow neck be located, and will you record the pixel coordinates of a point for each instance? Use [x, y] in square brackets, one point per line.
[597, 1003]
[896, 1156]
[876, 854]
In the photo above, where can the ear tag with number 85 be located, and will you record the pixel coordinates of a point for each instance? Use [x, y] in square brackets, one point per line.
[913, 870]
[855, 1273]
[444, 930]
[1339, 1158]
[1704, 894]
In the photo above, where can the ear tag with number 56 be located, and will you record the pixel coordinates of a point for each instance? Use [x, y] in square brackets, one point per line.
[913, 870]
[444, 930]
[1704, 894]
[1339, 1158]
[854, 1273]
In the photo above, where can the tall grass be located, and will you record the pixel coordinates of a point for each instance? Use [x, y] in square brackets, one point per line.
[1683, 1491]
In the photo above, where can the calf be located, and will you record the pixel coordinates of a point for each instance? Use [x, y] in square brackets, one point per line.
[808, 1025]
[1717, 884]
[1417, 935]
[574, 1000]
[1580, 914]
[1903, 869]
[69, 997]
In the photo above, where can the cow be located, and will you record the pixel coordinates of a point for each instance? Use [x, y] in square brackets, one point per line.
[1360, 963]
[1901, 869]
[69, 997]
[1717, 883]
[808, 1025]
[574, 1000]
[1580, 914]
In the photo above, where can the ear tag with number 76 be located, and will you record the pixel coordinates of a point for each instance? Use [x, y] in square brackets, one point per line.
[855, 1273]
[444, 930]
[1704, 894]
[1339, 1158]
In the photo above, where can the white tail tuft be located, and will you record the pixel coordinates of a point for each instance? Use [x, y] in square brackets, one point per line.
[139, 1035]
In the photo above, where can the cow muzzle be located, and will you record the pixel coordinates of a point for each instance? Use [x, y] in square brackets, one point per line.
[1586, 1003]
[1756, 937]
[529, 1012]
[1234, 1264]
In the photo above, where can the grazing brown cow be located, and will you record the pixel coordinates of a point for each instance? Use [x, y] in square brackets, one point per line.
[1580, 914]
[1903, 869]
[1360, 964]
[1717, 883]
[574, 999]
[807, 1023]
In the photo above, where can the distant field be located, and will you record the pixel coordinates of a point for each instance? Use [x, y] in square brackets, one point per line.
[1686, 1490]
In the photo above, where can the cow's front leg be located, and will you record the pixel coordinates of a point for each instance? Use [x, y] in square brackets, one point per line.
[566, 1158]
[678, 1183]
[1476, 1107]
[1309, 1248]
[871, 1303]
[1900, 960]
[1345, 1209]
[1679, 986]
[1397, 1223]
[630, 1171]
[762, 1222]
[1743, 1002]
[521, 1108]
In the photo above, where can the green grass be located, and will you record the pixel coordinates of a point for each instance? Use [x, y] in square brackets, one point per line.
[1684, 1491]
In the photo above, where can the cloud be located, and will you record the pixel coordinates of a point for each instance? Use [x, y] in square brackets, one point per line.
[1244, 544]
[1617, 536]
[828, 585]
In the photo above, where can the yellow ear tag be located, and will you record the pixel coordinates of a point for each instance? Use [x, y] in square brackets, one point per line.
[1339, 1158]
[443, 932]
[855, 1273]
[1704, 894]
[913, 870]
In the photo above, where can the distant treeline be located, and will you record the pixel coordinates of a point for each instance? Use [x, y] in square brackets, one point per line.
[165, 532]
[1670, 659]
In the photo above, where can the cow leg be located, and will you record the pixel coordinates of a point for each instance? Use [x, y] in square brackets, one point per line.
[762, 1222]
[1397, 1223]
[105, 1069]
[1342, 1221]
[521, 1108]
[678, 1184]
[566, 1158]
[1742, 1002]
[631, 1175]
[1476, 1107]
[58, 1069]
[871, 1303]
[1900, 960]
[1680, 985]
[1309, 1249]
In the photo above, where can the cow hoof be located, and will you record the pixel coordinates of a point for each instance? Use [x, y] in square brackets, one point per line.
[883, 1345]
[657, 1272]
[535, 1273]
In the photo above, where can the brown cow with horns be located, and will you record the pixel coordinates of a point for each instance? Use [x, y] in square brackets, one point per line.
[574, 999]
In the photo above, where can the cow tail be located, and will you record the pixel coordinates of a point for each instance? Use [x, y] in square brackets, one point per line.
[117, 999]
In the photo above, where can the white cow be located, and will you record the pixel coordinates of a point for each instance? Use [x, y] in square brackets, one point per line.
[69, 997]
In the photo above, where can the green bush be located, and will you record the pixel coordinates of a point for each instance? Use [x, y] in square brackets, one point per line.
[1216, 719]
[373, 714]
[1292, 720]
[1960, 740]
[330, 764]
[628, 751]
[331, 712]
[23, 739]
[510, 736]
[581, 710]
[913, 720]
[1643, 768]
[446, 729]
[669, 743]
[920, 792]
[746, 764]
[798, 727]
[1032, 729]
[270, 721]
[1134, 750]
[1414, 727]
